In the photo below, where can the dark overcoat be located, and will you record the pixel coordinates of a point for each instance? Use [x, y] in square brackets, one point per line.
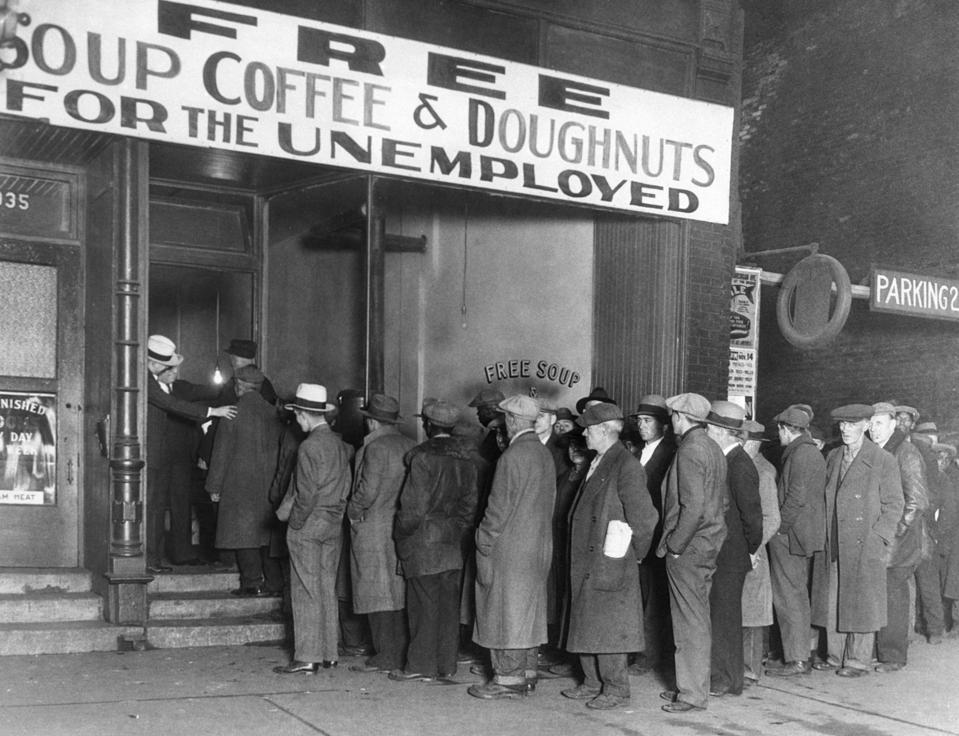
[907, 545]
[867, 502]
[241, 470]
[605, 605]
[514, 544]
[656, 468]
[744, 513]
[377, 480]
[802, 497]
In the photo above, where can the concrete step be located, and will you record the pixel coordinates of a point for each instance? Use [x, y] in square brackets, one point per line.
[64, 637]
[169, 634]
[208, 604]
[194, 582]
[50, 607]
[21, 580]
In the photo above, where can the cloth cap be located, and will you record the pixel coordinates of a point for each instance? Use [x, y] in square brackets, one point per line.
[726, 414]
[383, 408]
[884, 407]
[442, 413]
[564, 413]
[249, 374]
[521, 406]
[163, 350]
[487, 396]
[597, 394]
[692, 405]
[242, 349]
[545, 406]
[911, 410]
[944, 447]
[753, 430]
[599, 413]
[926, 428]
[806, 408]
[652, 405]
[852, 413]
[310, 397]
[793, 416]
[426, 402]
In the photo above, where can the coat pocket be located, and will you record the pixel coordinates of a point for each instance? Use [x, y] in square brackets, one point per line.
[611, 573]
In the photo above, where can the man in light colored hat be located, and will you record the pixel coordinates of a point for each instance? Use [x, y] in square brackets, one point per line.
[892, 642]
[695, 496]
[513, 554]
[656, 454]
[378, 590]
[175, 410]
[318, 492]
[744, 534]
[864, 504]
[604, 604]
[437, 509]
[801, 491]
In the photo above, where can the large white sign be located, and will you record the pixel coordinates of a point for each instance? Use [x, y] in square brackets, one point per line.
[218, 75]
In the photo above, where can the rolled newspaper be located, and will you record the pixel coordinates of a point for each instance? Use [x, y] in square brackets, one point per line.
[618, 537]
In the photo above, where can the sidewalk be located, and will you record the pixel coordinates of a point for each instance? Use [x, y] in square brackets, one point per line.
[231, 690]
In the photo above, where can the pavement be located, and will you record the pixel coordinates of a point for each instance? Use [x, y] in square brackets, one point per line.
[232, 690]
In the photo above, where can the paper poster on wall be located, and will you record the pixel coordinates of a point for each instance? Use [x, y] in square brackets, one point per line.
[28, 453]
[743, 337]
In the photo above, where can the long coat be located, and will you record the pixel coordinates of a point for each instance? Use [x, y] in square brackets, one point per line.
[757, 589]
[321, 484]
[513, 548]
[867, 503]
[744, 513]
[907, 546]
[377, 480]
[605, 605]
[802, 497]
[241, 470]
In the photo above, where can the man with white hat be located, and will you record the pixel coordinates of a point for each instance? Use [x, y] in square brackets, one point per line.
[318, 492]
[694, 503]
[175, 410]
[513, 554]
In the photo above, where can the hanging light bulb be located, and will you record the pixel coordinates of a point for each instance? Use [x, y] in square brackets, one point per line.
[217, 375]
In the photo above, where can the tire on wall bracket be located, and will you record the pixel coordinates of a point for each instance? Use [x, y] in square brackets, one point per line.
[805, 311]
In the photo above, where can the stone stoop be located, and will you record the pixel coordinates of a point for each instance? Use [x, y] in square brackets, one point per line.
[190, 609]
[54, 611]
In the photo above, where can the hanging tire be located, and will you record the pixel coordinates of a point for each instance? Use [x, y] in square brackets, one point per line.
[800, 273]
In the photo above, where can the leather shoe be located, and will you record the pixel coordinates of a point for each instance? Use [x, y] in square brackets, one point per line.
[297, 668]
[531, 684]
[607, 702]
[799, 667]
[851, 672]
[824, 665]
[669, 695]
[680, 706]
[329, 663]
[158, 568]
[497, 691]
[403, 676]
[250, 591]
[580, 692]
[367, 667]
[889, 667]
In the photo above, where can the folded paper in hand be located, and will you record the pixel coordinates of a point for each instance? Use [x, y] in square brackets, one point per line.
[618, 538]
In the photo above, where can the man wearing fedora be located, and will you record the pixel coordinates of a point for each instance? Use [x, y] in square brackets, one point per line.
[604, 602]
[175, 410]
[378, 590]
[513, 552]
[437, 510]
[656, 454]
[801, 491]
[864, 504]
[317, 501]
[744, 534]
[694, 503]
[241, 470]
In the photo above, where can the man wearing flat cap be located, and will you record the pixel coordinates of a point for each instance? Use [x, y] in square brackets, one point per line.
[437, 508]
[801, 491]
[744, 534]
[513, 554]
[656, 453]
[892, 641]
[241, 470]
[695, 496]
[379, 591]
[604, 604]
[864, 504]
[486, 403]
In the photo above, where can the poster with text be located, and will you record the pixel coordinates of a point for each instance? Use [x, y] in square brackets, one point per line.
[28, 453]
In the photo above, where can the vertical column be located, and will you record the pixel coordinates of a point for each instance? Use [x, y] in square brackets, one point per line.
[375, 267]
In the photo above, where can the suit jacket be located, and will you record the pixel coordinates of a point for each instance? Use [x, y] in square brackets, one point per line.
[321, 484]
[605, 605]
[695, 497]
[744, 513]
[173, 421]
[656, 468]
[802, 497]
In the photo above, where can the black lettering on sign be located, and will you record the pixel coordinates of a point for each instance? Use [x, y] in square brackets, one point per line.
[176, 19]
[316, 46]
[448, 71]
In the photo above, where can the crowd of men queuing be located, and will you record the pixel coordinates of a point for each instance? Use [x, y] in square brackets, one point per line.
[594, 545]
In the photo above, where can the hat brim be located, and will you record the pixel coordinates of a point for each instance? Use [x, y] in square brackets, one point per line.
[310, 407]
[172, 362]
[381, 418]
[581, 404]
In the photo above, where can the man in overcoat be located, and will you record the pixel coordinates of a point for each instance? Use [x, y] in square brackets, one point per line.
[744, 534]
[321, 484]
[241, 470]
[892, 641]
[695, 496]
[379, 591]
[802, 532]
[605, 606]
[513, 552]
[437, 509]
[863, 506]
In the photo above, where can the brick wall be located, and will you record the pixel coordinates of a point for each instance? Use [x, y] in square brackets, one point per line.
[849, 139]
